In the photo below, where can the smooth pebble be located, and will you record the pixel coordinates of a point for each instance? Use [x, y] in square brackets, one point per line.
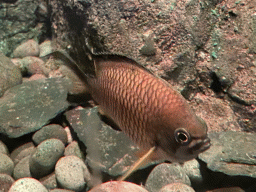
[6, 164]
[27, 185]
[28, 48]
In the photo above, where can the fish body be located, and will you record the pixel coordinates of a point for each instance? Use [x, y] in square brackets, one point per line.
[146, 108]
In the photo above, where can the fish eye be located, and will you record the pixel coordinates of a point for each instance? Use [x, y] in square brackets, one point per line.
[182, 136]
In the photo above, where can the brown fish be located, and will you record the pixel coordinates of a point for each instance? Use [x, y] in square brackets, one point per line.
[146, 108]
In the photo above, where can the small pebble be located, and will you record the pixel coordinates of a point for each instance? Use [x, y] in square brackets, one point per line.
[193, 171]
[174, 187]
[22, 151]
[6, 164]
[43, 160]
[164, 174]
[49, 181]
[45, 48]
[28, 48]
[3, 148]
[21, 169]
[118, 186]
[72, 173]
[50, 131]
[27, 185]
[34, 65]
[74, 149]
[6, 182]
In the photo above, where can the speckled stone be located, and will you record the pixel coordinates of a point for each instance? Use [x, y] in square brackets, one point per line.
[74, 149]
[28, 48]
[27, 185]
[22, 151]
[118, 186]
[50, 131]
[165, 174]
[61, 190]
[72, 173]
[174, 187]
[22, 169]
[3, 148]
[49, 181]
[193, 171]
[5, 182]
[6, 164]
[43, 160]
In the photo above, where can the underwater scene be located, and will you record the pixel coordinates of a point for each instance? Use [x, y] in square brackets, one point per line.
[128, 95]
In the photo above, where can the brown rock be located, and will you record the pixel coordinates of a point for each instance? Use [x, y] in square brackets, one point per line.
[28, 48]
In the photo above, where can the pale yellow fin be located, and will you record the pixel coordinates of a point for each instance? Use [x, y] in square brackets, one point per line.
[137, 164]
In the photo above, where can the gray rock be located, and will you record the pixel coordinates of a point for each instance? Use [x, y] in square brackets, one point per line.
[45, 48]
[232, 153]
[27, 185]
[43, 160]
[10, 74]
[22, 169]
[50, 131]
[22, 151]
[49, 181]
[28, 48]
[6, 164]
[27, 107]
[165, 174]
[72, 173]
[74, 149]
[5, 182]
[194, 171]
[118, 186]
[33, 65]
[174, 187]
[108, 150]
[3, 148]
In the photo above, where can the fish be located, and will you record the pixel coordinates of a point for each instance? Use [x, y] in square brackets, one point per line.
[145, 107]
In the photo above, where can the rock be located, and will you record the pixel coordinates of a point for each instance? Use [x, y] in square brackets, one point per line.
[36, 77]
[22, 169]
[174, 187]
[232, 153]
[194, 171]
[118, 186]
[28, 48]
[3, 148]
[43, 100]
[10, 74]
[50, 131]
[5, 182]
[6, 164]
[45, 48]
[49, 181]
[74, 149]
[227, 189]
[108, 150]
[43, 160]
[61, 190]
[22, 151]
[165, 174]
[34, 65]
[72, 173]
[27, 185]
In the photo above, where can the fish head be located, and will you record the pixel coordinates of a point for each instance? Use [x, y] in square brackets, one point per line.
[184, 143]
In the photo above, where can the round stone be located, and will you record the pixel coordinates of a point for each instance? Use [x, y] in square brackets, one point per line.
[118, 186]
[43, 160]
[22, 169]
[174, 187]
[6, 182]
[27, 185]
[50, 131]
[3, 148]
[6, 164]
[72, 173]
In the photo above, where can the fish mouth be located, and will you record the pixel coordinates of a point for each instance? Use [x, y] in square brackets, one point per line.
[200, 146]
